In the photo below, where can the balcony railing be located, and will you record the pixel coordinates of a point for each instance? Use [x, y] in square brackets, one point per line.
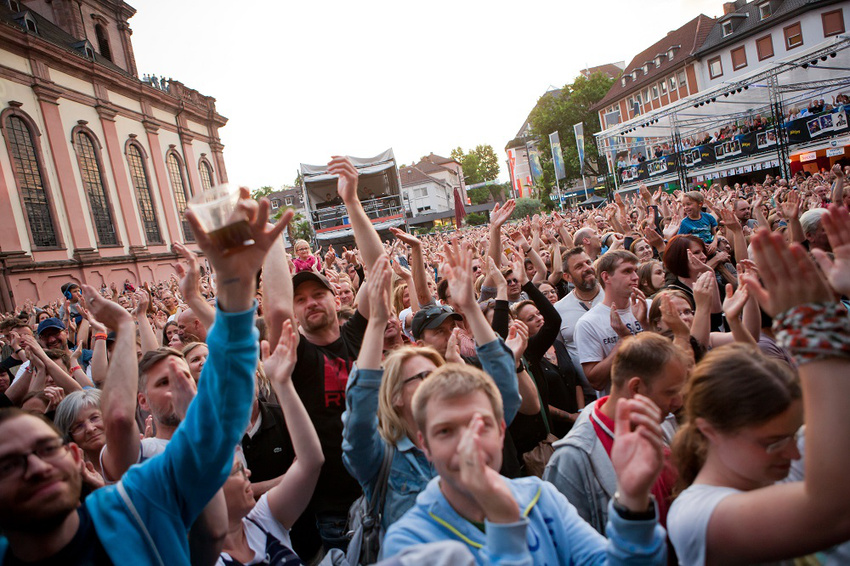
[332, 215]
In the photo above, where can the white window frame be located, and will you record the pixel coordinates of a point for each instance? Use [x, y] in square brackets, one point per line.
[765, 7]
[727, 28]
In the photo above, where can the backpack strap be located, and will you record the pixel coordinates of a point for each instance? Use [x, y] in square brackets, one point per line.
[379, 494]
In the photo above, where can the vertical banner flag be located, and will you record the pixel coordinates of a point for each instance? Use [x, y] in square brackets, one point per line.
[534, 163]
[557, 155]
[579, 131]
[460, 209]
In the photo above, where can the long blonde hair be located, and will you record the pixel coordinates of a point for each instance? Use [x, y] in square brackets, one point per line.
[391, 425]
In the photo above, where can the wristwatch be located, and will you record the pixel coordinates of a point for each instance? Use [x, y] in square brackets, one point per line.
[629, 515]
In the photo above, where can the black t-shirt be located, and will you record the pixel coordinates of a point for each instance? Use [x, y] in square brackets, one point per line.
[320, 377]
[85, 549]
[269, 452]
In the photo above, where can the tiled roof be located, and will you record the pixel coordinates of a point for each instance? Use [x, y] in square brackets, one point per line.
[437, 159]
[52, 33]
[611, 70]
[686, 41]
[746, 21]
[413, 175]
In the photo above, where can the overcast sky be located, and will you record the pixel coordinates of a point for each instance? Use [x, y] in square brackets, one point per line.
[301, 81]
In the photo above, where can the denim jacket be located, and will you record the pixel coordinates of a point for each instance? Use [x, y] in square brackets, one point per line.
[363, 448]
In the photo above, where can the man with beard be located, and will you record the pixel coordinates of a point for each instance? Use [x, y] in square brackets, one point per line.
[585, 295]
[325, 354]
[145, 518]
[621, 313]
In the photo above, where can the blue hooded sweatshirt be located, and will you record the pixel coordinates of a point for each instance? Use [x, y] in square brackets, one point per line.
[145, 518]
[550, 531]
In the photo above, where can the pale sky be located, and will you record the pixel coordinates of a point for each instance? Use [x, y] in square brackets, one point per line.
[301, 81]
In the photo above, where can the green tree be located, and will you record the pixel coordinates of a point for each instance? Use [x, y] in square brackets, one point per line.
[560, 111]
[479, 195]
[526, 207]
[475, 219]
[265, 191]
[479, 165]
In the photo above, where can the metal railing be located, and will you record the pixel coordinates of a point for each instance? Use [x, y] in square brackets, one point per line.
[333, 215]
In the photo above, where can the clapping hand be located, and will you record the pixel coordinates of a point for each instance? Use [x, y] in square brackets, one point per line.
[638, 450]
[836, 223]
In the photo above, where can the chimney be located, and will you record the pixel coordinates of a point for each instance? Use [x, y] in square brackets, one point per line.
[728, 7]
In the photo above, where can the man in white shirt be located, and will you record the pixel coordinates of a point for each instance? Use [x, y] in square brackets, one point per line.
[586, 294]
[622, 313]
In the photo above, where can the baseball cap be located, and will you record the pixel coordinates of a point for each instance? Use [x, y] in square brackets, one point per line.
[304, 276]
[48, 323]
[430, 317]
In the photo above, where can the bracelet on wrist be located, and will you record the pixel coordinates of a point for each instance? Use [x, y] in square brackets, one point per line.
[18, 350]
[814, 331]
[629, 515]
[100, 336]
[75, 368]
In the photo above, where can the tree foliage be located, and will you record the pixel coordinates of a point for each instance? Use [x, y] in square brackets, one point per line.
[560, 111]
[479, 165]
[265, 191]
[526, 207]
[475, 219]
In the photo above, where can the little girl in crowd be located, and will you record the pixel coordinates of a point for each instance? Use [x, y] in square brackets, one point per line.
[304, 259]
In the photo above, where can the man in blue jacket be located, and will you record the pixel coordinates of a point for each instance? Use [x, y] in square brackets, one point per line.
[523, 521]
[145, 517]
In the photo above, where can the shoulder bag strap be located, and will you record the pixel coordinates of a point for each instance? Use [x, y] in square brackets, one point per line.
[379, 495]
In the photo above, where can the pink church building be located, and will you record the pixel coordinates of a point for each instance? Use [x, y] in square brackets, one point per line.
[96, 164]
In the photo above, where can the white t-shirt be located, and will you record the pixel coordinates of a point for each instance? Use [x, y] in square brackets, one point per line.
[148, 448]
[261, 515]
[687, 522]
[594, 337]
[571, 310]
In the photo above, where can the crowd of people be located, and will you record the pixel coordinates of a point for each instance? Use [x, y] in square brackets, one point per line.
[637, 384]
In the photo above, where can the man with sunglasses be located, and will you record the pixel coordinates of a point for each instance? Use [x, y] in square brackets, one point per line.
[146, 516]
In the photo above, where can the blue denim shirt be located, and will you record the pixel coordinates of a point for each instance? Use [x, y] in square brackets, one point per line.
[362, 445]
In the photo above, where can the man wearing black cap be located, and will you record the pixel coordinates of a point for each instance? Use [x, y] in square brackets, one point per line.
[326, 352]
[52, 335]
[432, 326]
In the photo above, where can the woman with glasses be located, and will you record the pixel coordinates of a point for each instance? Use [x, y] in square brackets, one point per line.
[731, 455]
[378, 415]
[258, 532]
[80, 421]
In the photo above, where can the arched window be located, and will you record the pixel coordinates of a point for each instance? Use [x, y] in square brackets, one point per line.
[90, 172]
[28, 173]
[139, 175]
[178, 187]
[102, 41]
[205, 170]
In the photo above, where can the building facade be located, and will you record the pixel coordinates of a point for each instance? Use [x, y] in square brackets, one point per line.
[96, 165]
[428, 186]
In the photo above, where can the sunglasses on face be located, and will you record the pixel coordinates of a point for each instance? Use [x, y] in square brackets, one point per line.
[419, 376]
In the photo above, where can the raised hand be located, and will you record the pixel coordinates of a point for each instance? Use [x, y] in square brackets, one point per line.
[408, 239]
[517, 339]
[790, 277]
[190, 275]
[703, 289]
[671, 318]
[280, 364]
[790, 209]
[237, 270]
[733, 304]
[142, 301]
[487, 487]
[618, 325]
[638, 451]
[453, 347]
[695, 265]
[501, 214]
[378, 289]
[348, 178]
[105, 311]
[836, 223]
[638, 305]
[459, 273]
[183, 387]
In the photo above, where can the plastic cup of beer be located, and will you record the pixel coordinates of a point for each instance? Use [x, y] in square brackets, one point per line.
[226, 226]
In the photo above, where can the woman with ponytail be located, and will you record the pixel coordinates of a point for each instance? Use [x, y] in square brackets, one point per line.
[744, 413]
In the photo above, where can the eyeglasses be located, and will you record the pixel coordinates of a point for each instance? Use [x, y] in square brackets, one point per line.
[512, 281]
[419, 376]
[80, 427]
[239, 469]
[774, 447]
[15, 465]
